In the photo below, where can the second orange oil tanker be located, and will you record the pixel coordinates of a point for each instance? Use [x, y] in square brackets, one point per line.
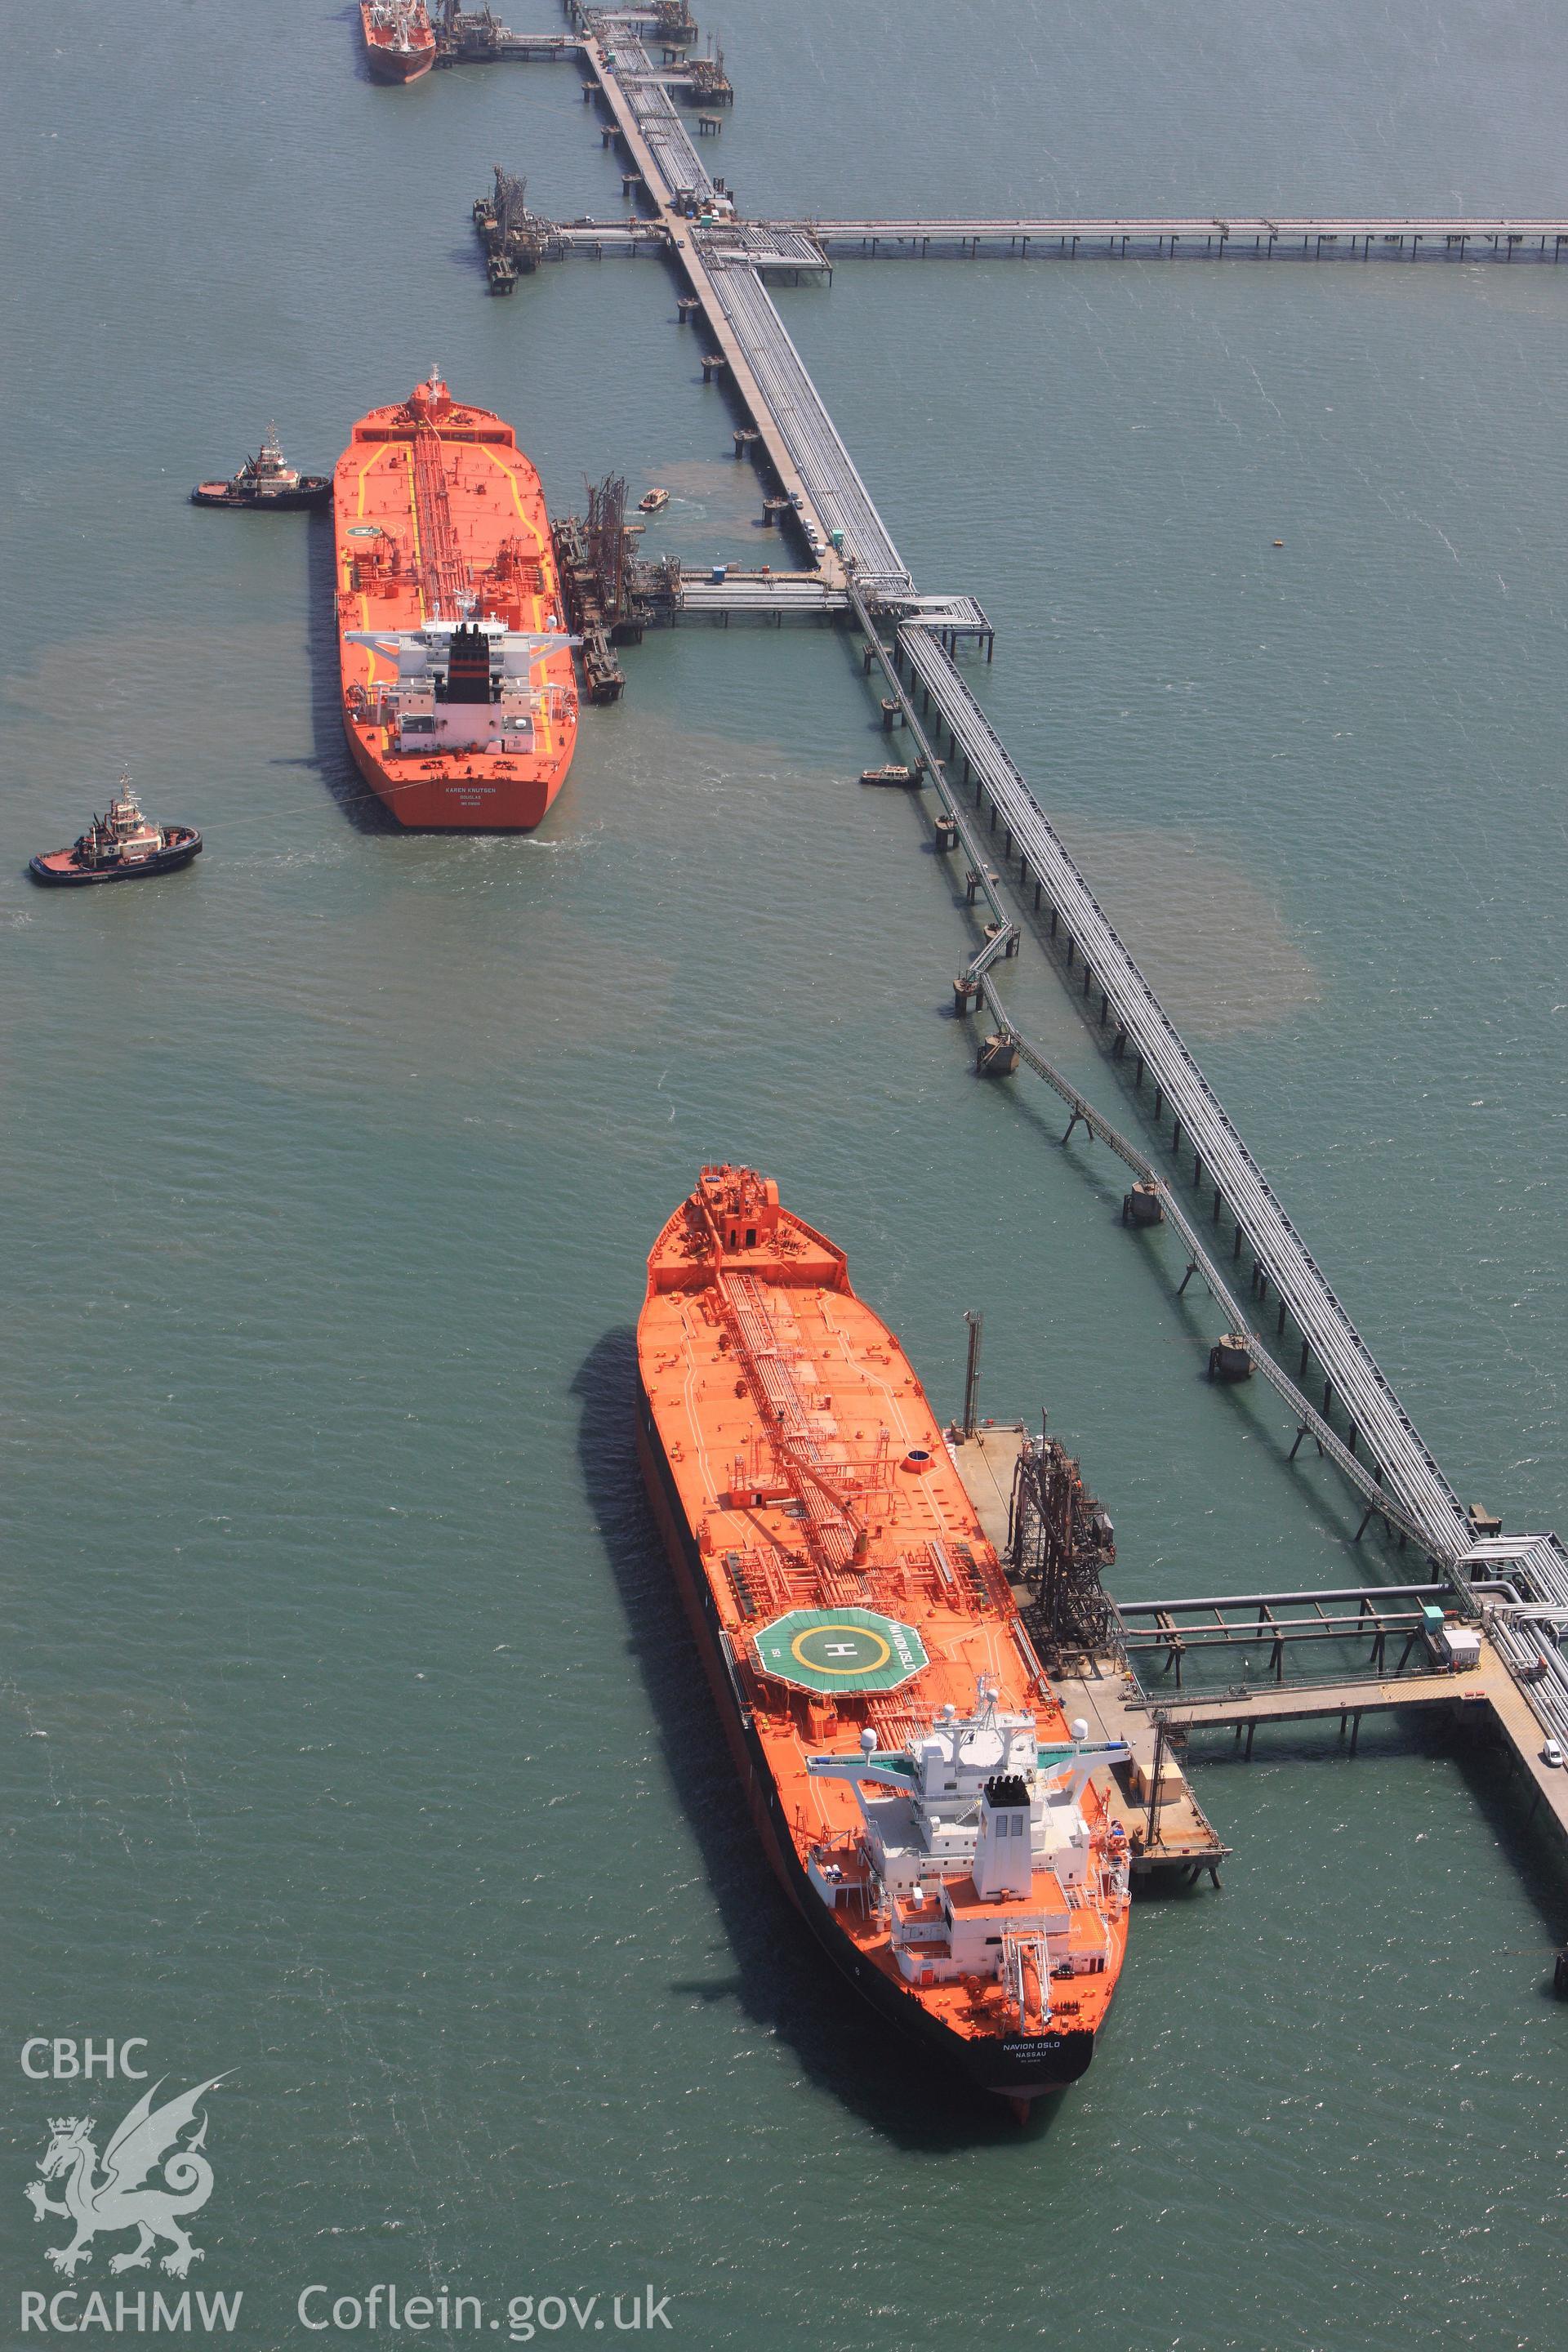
[460, 696]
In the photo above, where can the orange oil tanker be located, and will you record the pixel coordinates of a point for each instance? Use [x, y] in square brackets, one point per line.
[459, 699]
[399, 44]
[911, 1775]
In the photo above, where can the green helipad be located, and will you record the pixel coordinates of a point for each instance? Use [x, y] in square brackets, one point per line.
[832, 1650]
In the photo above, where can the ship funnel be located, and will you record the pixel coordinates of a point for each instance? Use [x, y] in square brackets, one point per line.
[1003, 1852]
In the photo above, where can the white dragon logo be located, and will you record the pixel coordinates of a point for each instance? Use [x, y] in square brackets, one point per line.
[125, 2196]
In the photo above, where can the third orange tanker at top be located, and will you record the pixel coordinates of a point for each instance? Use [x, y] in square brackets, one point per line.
[459, 699]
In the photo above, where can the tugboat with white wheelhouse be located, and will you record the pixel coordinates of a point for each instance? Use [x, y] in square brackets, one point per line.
[119, 847]
[266, 480]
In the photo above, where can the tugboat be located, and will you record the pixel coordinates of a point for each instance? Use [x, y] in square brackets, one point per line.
[654, 501]
[119, 846]
[266, 480]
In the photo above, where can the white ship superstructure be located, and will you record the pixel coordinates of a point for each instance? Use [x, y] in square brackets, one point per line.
[978, 1851]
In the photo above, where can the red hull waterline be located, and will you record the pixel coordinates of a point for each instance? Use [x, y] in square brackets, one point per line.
[384, 66]
[399, 44]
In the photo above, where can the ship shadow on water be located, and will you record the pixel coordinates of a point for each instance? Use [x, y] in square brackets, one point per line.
[332, 761]
[782, 1982]
[469, 257]
[350, 18]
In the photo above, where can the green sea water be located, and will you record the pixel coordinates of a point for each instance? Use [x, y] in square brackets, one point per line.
[353, 1741]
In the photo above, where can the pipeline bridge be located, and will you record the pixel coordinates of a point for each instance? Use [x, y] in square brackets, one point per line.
[1195, 238]
[803, 247]
[1358, 1421]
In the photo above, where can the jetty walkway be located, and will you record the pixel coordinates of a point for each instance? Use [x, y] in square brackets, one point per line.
[839, 499]
[1321, 239]
[674, 178]
[1521, 1580]
[803, 246]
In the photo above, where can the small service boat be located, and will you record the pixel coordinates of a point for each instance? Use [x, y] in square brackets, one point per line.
[266, 480]
[654, 501]
[119, 846]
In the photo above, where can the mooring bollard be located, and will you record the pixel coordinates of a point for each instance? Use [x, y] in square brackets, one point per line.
[996, 1057]
[1142, 1205]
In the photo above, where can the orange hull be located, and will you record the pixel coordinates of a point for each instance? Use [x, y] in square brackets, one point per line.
[399, 44]
[441, 525]
[862, 1642]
